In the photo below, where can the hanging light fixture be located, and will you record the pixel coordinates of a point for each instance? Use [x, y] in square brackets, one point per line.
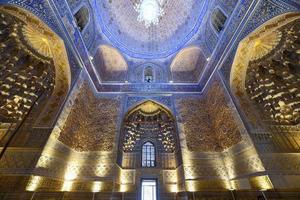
[150, 11]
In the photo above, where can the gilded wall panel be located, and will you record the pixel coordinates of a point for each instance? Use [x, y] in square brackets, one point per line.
[206, 171]
[12, 183]
[264, 75]
[16, 161]
[91, 124]
[208, 122]
[242, 165]
[76, 164]
[274, 162]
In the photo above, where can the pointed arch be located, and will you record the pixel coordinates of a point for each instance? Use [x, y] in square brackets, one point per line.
[148, 121]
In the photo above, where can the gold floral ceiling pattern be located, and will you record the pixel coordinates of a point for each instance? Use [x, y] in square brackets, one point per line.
[31, 36]
[265, 71]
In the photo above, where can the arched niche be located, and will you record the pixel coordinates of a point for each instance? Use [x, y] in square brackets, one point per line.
[139, 74]
[265, 76]
[153, 123]
[110, 64]
[82, 17]
[218, 20]
[188, 65]
[35, 74]
[149, 74]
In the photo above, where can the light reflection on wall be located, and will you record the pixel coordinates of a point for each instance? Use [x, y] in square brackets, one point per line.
[229, 185]
[187, 163]
[104, 166]
[48, 151]
[97, 186]
[67, 186]
[33, 183]
[126, 179]
[100, 170]
[173, 188]
[171, 179]
[232, 163]
[71, 172]
[233, 185]
[191, 186]
[71, 165]
[71, 169]
[124, 187]
[261, 182]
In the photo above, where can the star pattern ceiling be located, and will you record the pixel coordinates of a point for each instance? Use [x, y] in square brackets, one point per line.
[118, 21]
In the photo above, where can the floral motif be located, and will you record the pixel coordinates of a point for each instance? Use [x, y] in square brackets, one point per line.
[208, 122]
[91, 125]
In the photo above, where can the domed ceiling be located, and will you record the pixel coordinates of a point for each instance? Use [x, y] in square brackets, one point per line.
[177, 24]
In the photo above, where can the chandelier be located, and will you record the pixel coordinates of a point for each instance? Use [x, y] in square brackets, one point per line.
[150, 11]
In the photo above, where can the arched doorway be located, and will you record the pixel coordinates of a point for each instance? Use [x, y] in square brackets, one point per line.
[149, 150]
[149, 123]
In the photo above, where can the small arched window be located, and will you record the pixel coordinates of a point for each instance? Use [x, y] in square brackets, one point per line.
[82, 17]
[148, 73]
[148, 155]
[218, 20]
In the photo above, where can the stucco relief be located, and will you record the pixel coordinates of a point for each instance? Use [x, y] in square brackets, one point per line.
[208, 122]
[91, 124]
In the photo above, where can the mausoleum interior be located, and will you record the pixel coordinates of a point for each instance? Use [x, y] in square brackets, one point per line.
[149, 99]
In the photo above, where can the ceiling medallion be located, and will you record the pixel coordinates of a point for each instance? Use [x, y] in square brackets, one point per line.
[38, 40]
[150, 11]
[265, 44]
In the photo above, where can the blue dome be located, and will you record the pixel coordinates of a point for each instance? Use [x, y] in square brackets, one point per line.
[180, 22]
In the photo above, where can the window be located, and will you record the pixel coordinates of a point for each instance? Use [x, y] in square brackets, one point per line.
[148, 155]
[82, 17]
[148, 74]
[218, 20]
[148, 189]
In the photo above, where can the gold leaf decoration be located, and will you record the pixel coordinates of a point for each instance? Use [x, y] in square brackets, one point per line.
[265, 44]
[209, 123]
[149, 107]
[91, 124]
[37, 40]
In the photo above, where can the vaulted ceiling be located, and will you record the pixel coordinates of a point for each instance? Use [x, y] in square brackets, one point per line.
[118, 21]
[179, 46]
